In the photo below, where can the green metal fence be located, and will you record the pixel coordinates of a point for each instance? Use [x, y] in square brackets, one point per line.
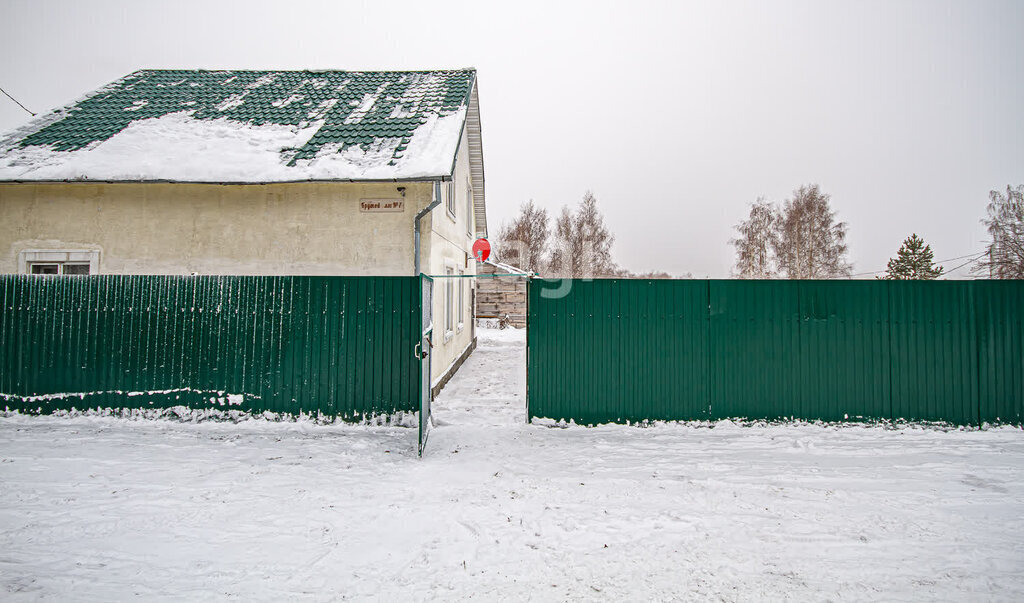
[340, 346]
[632, 350]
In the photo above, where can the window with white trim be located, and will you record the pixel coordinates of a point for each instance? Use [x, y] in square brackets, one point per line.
[451, 197]
[461, 304]
[449, 302]
[59, 261]
[469, 208]
[57, 268]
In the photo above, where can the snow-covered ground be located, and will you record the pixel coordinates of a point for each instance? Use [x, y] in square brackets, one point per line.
[96, 508]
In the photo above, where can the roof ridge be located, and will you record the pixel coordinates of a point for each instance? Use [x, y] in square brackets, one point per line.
[249, 70]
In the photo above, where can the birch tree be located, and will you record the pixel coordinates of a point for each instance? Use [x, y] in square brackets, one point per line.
[1005, 223]
[756, 241]
[523, 242]
[582, 243]
[810, 243]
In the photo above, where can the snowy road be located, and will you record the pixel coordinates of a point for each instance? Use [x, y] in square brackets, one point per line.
[102, 509]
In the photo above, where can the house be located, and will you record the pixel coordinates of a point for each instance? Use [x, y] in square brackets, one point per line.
[257, 173]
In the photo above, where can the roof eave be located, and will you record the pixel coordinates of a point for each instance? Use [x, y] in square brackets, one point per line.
[462, 130]
[442, 178]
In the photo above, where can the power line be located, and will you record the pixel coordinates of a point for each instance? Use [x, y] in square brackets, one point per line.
[969, 255]
[973, 256]
[867, 273]
[962, 265]
[16, 102]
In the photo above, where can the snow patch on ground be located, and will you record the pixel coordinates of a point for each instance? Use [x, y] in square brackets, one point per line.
[102, 508]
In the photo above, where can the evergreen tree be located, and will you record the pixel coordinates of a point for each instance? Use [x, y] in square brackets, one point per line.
[913, 262]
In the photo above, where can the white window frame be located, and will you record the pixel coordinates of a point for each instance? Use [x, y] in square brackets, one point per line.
[449, 302]
[30, 257]
[469, 208]
[61, 268]
[450, 204]
[461, 303]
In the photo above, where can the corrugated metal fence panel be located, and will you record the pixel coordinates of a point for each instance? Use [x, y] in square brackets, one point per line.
[934, 353]
[754, 348]
[618, 350]
[341, 346]
[805, 349]
[830, 350]
[843, 351]
[999, 308]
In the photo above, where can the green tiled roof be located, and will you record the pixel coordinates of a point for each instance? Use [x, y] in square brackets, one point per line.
[355, 107]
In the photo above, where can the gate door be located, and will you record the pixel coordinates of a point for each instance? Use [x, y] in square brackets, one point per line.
[423, 350]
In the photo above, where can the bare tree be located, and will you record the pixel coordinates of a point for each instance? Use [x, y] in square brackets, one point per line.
[810, 243]
[524, 241]
[652, 275]
[563, 245]
[757, 239]
[582, 243]
[1005, 222]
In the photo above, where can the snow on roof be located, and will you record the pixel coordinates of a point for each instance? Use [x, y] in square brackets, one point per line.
[249, 126]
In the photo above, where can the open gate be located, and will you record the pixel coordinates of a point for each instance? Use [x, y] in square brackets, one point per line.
[423, 352]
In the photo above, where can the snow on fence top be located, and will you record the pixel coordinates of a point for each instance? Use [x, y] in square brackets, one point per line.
[249, 126]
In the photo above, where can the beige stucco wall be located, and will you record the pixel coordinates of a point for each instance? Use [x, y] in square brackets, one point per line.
[156, 228]
[451, 245]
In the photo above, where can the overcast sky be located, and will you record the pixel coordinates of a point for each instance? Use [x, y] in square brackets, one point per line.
[676, 115]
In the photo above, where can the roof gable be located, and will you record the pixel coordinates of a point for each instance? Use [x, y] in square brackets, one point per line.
[250, 126]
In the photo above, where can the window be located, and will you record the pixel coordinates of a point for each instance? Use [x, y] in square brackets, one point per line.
[44, 269]
[469, 208]
[52, 268]
[59, 261]
[460, 303]
[449, 302]
[450, 191]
